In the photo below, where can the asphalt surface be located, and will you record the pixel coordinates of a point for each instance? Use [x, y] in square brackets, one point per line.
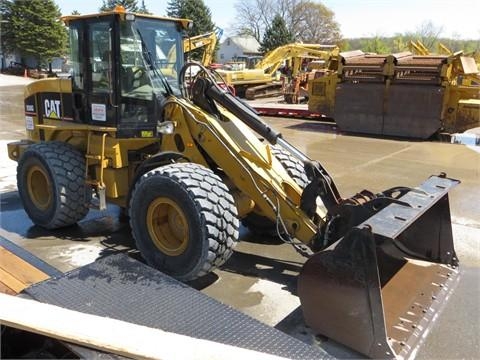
[260, 279]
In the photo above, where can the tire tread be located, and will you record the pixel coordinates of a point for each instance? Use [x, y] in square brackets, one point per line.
[220, 217]
[67, 166]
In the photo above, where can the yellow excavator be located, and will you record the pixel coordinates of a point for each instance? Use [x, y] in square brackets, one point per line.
[206, 42]
[188, 161]
[262, 80]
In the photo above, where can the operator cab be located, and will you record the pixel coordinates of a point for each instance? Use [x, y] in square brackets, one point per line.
[123, 66]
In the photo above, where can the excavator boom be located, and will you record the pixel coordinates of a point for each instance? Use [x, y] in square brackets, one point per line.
[274, 59]
[206, 41]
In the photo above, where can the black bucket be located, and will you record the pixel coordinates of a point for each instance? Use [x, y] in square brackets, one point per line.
[377, 289]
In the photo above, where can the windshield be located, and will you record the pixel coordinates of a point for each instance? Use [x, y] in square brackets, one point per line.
[151, 49]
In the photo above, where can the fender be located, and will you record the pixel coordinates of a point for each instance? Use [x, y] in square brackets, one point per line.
[157, 160]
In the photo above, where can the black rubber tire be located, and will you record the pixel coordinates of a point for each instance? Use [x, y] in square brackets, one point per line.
[262, 225]
[207, 206]
[58, 170]
[293, 166]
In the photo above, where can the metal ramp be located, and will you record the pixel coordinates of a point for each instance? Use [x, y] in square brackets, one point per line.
[120, 287]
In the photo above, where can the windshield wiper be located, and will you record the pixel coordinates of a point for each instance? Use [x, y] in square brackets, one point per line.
[151, 63]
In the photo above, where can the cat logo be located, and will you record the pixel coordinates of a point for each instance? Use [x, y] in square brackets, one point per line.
[52, 108]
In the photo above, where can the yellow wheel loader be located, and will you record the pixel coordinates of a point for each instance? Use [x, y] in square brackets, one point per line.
[189, 161]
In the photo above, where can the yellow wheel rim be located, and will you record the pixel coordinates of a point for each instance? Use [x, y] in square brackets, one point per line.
[167, 226]
[39, 187]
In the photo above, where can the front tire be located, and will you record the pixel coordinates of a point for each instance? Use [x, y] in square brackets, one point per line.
[51, 184]
[184, 220]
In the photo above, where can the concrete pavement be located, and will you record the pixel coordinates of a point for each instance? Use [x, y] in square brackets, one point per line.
[260, 279]
[12, 80]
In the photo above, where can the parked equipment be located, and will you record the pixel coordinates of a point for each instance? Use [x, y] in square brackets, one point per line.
[188, 161]
[399, 94]
[262, 80]
[206, 42]
[418, 48]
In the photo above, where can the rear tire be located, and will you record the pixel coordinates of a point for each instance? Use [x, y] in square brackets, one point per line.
[184, 220]
[261, 225]
[51, 184]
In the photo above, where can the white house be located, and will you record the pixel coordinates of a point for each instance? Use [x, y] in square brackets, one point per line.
[237, 46]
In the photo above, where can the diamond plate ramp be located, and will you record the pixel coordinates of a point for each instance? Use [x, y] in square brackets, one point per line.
[120, 287]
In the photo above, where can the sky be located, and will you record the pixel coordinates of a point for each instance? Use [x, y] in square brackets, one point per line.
[357, 18]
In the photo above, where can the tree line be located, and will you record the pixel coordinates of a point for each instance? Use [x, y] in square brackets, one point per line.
[31, 28]
[277, 22]
[427, 34]
[401, 42]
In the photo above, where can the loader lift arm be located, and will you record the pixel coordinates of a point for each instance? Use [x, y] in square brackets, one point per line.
[206, 89]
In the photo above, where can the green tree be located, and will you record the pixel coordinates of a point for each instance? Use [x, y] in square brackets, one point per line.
[399, 44]
[34, 30]
[315, 24]
[5, 30]
[129, 5]
[375, 45]
[276, 35]
[199, 13]
[306, 20]
[143, 9]
[195, 10]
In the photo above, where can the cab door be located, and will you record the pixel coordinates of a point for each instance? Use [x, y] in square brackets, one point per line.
[94, 71]
[101, 101]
